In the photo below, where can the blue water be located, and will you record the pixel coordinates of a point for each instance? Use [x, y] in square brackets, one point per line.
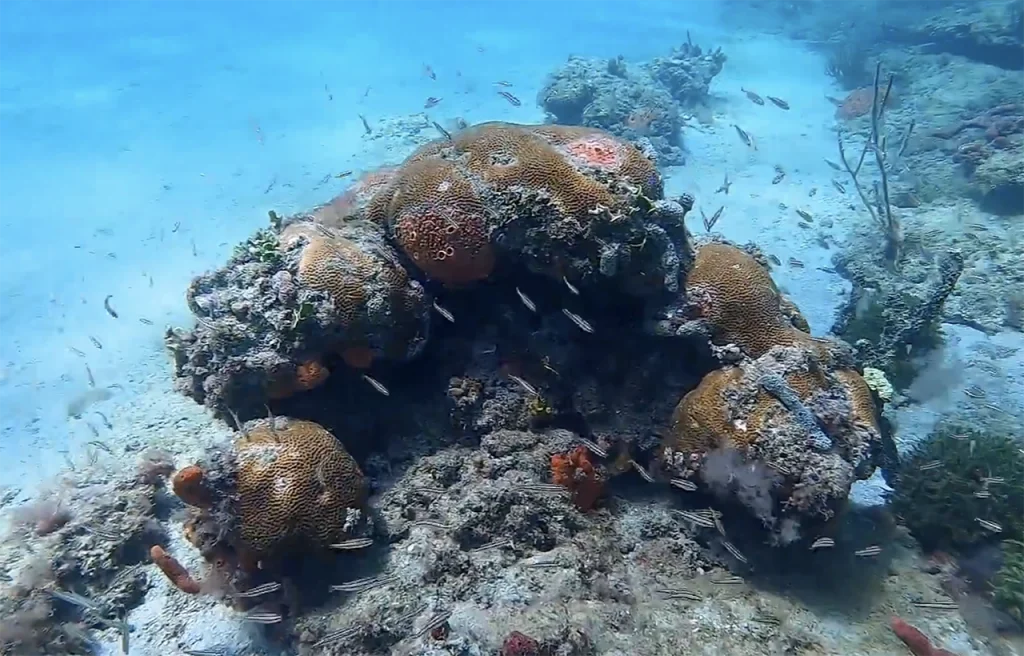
[141, 141]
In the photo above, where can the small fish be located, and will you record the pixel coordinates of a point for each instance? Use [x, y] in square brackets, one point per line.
[339, 635]
[75, 599]
[145, 321]
[376, 384]
[526, 300]
[88, 372]
[813, 192]
[106, 306]
[444, 313]
[580, 322]
[106, 422]
[782, 469]
[431, 102]
[195, 251]
[366, 124]
[833, 165]
[805, 215]
[429, 72]
[754, 98]
[509, 97]
[503, 83]
[76, 351]
[530, 389]
[435, 491]
[989, 526]
[710, 223]
[682, 593]
[774, 260]
[216, 651]
[839, 186]
[343, 174]
[868, 552]
[766, 618]
[731, 548]
[779, 102]
[975, 392]
[429, 523]
[937, 605]
[572, 288]
[694, 518]
[983, 494]
[795, 263]
[104, 533]
[543, 488]
[101, 445]
[444, 133]
[353, 544]
[259, 590]
[433, 623]
[644, 474]
[92, 429]
[743, 135]
[778, 177]
[993, 480]
[724, 189]
[262, 617]
[362, 585]
[834, 101]
[544, 564]
[683, 484]
[934, 464]
[593, 447]
[729, 580]
[497, 544]
[823, 543]
[96, 342]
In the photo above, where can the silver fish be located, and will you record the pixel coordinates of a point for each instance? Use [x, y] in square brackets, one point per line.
[983, 494]
[339, 635]
[644, 474]
[259, 590]
[694, 518]
[823, 543]
[593, 447]
[937, 605]
[364, 584]
[497, 544]
[989, 526]
[434, 622]
[682, 593]
[579, 321]
[526, 300]
[683, 484]
[353, 544]
[736, 553]
[429, 523]
[444, 312]
[728, 580]
[934, 464]
[262, 617]
[868, 552]
[376, 384]
[530, 389]
[572, 288]
[545, 488]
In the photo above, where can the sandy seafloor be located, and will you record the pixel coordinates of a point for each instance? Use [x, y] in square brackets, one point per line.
[139, 145]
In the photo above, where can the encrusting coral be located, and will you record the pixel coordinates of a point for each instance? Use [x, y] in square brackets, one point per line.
[575, 472]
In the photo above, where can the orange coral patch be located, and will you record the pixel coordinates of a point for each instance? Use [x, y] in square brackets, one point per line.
[599, 151]
[575, 472]
[189, 486]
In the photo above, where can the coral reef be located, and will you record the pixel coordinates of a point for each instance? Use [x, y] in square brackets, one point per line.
[286, 487]
[812, 432]
[564, 202]
[890, 317]
[271, 326]
[956, 477]
[1008, 584]
[634, 102]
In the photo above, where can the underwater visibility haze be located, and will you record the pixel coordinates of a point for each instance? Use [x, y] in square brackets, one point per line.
[512, 328]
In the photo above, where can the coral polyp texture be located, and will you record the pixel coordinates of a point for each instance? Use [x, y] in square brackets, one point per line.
[286, 486]
[811, 432]
[289, 307]
[561, 201]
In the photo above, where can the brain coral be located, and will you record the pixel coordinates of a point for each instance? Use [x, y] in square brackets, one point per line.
[559, 200]
[732, 409]
[740, 302]
[295, 486]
